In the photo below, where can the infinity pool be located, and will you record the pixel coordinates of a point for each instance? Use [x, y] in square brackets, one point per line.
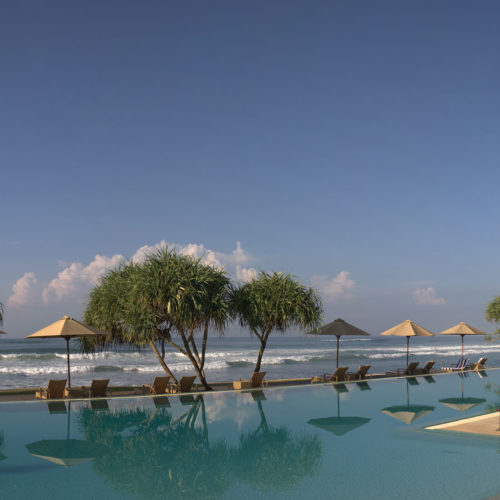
[349, 441]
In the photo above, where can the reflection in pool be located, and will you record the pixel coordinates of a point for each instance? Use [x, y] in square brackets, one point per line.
[326, 441]
[181, 461]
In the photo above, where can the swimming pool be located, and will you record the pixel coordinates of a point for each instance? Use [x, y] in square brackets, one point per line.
[351, 441]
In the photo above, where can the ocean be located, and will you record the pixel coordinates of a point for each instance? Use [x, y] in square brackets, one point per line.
[30, 363]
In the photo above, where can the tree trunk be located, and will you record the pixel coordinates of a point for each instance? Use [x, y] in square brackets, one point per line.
[263, 343]
[204, 346]
[199, 372]
[161, 360]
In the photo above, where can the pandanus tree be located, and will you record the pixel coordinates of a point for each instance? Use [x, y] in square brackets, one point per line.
[493, 313]
[166, 300]
[275, 302]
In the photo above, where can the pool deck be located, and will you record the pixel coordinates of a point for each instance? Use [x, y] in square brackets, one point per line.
[486, 425]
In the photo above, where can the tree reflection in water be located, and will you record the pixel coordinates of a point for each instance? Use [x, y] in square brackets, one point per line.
[154, 456]
[2, 457]
[272, 458]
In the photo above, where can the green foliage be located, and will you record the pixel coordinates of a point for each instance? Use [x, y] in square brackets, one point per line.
[167, 295]
[275, 302]
[493, 313]
[1, 313]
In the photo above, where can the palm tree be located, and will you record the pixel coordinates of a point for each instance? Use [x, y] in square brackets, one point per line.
[275, 302]
[1, 314]
[493, 313]
[169, 296]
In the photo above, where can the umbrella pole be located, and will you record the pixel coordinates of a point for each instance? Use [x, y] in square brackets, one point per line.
[338, 341]
[407, 350]
[67, 354]
[462, 345]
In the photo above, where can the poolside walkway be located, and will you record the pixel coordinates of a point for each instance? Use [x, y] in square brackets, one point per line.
[487, 425]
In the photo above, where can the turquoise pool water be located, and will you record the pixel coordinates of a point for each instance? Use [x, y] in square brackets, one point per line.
[348, 442]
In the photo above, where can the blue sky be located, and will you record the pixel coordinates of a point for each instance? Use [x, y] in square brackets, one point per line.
[351, 143]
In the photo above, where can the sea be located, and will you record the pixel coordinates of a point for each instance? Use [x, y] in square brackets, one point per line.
[31, 363]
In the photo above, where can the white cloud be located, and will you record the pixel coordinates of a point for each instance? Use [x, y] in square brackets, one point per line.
[332, 289]
[74, 279]
[77, 277]
[213, 258]
[23, 290]
[427, 296]
[245, 273]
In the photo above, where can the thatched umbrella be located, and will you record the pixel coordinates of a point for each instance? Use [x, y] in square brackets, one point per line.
[408, 329]
[462, 329]
[339, 328]
[3, 333]
[66, 328]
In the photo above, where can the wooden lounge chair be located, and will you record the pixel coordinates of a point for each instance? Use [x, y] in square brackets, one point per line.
[337, 376]
[256, 381]
[185, 385]
[409, 370]
[426, 369]
[480, 364]
[159, 385]
[360, 374]
[54, 390]
[98, 389]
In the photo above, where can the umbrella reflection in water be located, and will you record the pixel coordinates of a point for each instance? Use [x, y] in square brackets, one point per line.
[339, 425]
[461, 403]
[408, 413]
[66, 452]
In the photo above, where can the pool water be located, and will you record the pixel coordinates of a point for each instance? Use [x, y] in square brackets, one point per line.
[346, 441]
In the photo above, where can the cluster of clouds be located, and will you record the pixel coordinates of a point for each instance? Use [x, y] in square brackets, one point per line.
[75, 279]
[427, 297]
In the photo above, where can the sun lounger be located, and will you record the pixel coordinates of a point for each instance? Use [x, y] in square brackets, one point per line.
[339, 375]
[54, 390]
[360, 374]
[409, 370]
[463, 364]
[480, 364]
[98, 389]
[159, 385]
[185, 385]
[256, 381]
[426, 369]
